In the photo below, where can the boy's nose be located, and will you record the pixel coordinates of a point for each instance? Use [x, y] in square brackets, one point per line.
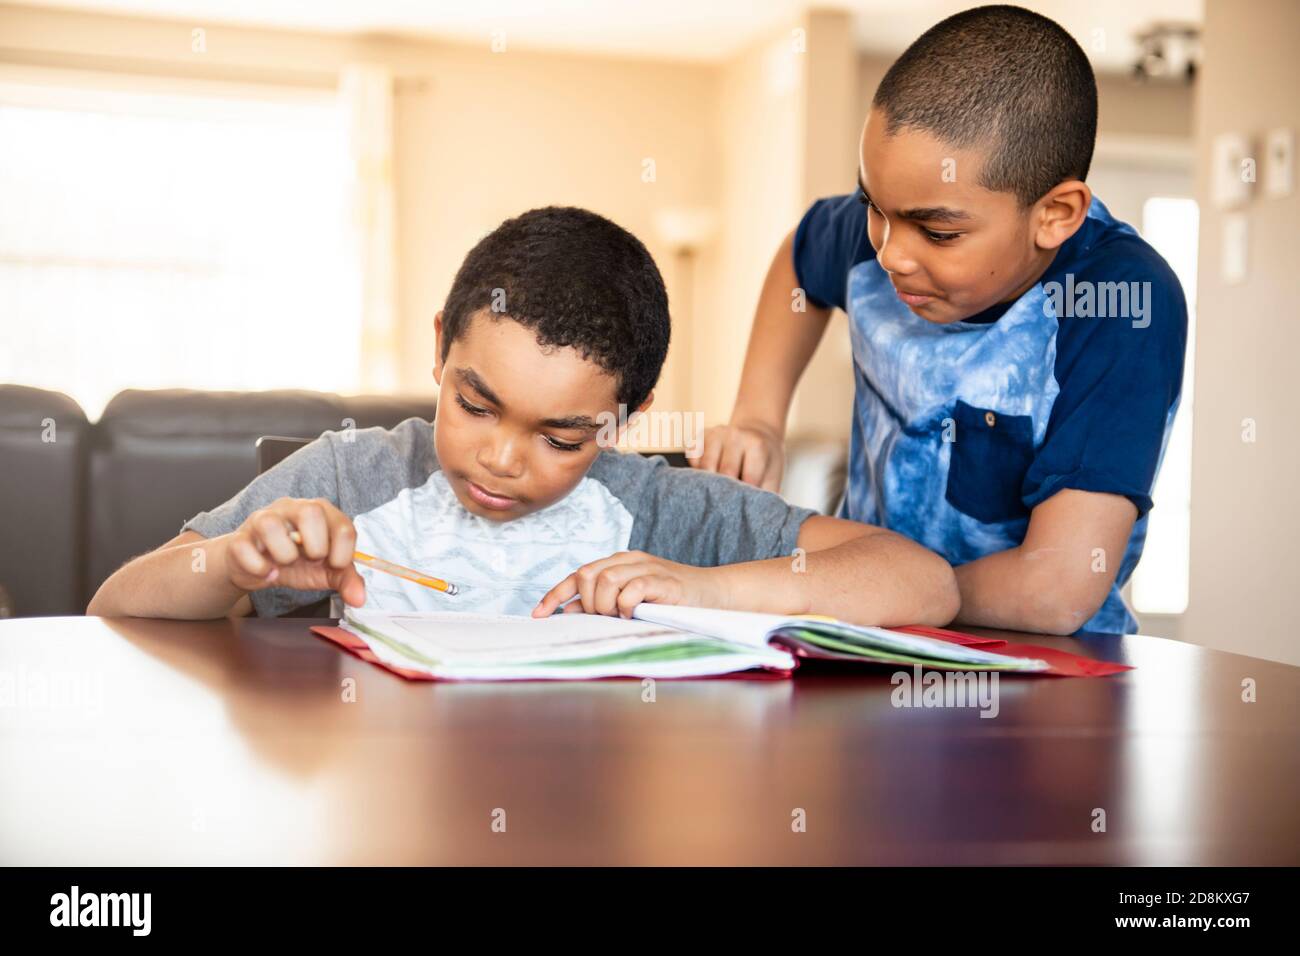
[893, 258]
[501, 458]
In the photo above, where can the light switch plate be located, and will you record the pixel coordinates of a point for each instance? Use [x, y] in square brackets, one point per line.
[1279, 162]
[1229, 182]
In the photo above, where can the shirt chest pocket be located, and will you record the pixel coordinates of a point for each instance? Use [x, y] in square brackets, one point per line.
[990, 455]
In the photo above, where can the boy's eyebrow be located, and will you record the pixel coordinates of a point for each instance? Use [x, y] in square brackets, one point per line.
[926, 213]
[475, 381]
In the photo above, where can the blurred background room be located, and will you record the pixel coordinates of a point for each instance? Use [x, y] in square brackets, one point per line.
[224, 219]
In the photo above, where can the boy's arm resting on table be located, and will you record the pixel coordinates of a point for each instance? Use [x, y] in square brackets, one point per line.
[165, 583]
[190, 580]
[1060, 575]
[710, 541]
[713, 541]
[855, 572]
[243, 546]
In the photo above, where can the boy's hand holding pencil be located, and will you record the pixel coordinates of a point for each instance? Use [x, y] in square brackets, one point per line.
[308, 545]
[304, 544]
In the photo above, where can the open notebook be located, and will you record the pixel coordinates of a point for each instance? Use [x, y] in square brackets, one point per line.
[667, 641]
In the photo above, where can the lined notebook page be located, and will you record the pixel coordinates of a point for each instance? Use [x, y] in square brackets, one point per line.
[450, 636]
[566, 646]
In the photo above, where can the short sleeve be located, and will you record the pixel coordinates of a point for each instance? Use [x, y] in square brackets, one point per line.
[829, 241]
[701, 518]
[309, 472]
[1120, 379]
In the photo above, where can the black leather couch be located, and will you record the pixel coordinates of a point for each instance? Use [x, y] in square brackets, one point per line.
[77, 499]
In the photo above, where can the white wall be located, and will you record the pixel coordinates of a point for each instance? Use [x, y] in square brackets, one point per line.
[1245, 510]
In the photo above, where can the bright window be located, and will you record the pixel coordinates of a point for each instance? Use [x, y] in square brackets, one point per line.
[152, 240]
[1160, 581]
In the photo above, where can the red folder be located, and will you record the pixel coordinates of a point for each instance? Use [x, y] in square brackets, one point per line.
[1061, 663]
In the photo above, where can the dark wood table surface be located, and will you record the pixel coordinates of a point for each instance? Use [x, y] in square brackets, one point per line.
[136, 741]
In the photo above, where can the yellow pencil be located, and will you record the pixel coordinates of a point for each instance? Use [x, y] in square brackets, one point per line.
[379, 564]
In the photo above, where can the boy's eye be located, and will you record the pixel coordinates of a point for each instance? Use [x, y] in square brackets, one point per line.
[553, 442]
[472, 409]
[562, 445]
[940, 236]
[929, 233]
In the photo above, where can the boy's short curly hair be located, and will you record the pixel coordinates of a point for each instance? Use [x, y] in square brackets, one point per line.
[575, 279]
[1003, 78]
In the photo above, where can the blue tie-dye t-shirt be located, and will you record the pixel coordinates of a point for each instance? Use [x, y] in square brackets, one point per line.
[960, 430]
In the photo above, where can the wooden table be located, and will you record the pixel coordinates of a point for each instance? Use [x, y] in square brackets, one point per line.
[253, 741]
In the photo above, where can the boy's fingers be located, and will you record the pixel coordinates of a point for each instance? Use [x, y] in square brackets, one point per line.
[604, 592]
[755, 465]
[646, 588]
[274, 534]
[772, 473]
[246, 557]
[732, 453]
[586, 583]
[611, 581]
[343, 540]
[708, 460]
[555, 596]
[309, 519]
[582, 581]
[631, 595]
[350, 585]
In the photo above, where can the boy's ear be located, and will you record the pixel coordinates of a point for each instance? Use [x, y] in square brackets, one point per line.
[437, 347]
[623, 426]
[1061, 212]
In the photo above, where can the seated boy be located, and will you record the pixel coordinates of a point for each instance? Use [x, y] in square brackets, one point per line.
[1018, 352]
[553, 321]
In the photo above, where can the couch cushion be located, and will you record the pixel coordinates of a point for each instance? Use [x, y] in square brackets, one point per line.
[159, 457]
[43, 441]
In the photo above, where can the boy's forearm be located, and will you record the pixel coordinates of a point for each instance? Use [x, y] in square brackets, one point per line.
[185, 581]
[1020, 592]
[1055, 580]
[878, 579]
[781, 344]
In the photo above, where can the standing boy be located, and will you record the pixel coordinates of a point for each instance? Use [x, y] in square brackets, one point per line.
[1018, 352]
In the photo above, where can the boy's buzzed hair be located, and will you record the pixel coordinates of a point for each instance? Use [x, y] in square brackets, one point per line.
[1004, 78]
[575, 279]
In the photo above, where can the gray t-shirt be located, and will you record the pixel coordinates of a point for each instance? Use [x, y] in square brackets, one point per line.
[389, 482]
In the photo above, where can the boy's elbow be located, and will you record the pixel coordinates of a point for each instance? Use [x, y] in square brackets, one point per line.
[101, 605]
[97, 605]
[945, 596]
[927, 594]
[1049, 624]
[1059, 611]
[1064, 622]
[930, 595]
